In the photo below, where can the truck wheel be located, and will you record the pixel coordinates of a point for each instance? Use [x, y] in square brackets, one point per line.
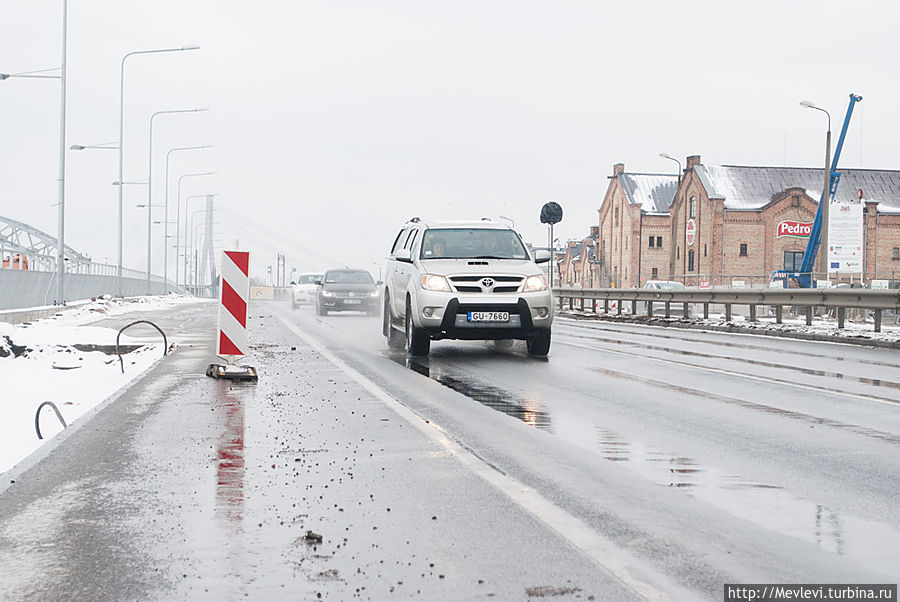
[538, 344]
[417, 341]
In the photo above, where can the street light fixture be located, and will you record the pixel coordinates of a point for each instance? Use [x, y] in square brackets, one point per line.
[150, 179]
[166, 213]
[178, 215]
[61, 204]
[121, 141]
[104, 146]
[826, 195]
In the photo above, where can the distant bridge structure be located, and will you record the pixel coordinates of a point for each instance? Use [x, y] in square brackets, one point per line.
[19, 238]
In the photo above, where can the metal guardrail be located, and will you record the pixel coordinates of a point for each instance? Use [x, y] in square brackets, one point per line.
[839, 299]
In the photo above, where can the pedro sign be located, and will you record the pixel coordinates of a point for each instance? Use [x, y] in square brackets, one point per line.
[795, 229]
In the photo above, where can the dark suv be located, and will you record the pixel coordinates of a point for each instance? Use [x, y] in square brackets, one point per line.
[347, 290]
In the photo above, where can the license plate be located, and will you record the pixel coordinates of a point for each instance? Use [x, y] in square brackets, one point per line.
[488, 316]
[352, 301]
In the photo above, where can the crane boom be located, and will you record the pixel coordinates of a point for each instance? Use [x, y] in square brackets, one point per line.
[804, 276]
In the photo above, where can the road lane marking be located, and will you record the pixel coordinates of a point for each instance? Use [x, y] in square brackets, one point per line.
[769, 380]
[645, 582]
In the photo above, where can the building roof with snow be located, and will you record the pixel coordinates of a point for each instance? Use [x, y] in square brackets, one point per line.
[653, 192]
[751, 188]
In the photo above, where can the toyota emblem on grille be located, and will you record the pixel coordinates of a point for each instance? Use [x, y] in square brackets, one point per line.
[487, 282]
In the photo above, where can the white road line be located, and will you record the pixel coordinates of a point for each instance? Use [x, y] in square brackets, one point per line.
[770, 381]
[645, 582]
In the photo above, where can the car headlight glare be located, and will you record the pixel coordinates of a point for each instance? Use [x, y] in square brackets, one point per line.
[327, 294]
[535, 283]
[434, 282]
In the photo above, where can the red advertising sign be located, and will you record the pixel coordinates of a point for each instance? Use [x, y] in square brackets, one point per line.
[690, 232]
[796, 229]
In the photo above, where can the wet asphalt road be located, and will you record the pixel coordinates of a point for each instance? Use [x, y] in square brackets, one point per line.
[634, 463]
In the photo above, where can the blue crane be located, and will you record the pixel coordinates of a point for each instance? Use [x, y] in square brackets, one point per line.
[804, 276]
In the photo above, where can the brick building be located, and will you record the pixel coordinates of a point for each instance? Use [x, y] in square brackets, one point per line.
[724, 223]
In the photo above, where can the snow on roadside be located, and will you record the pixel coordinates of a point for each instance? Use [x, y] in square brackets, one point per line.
[39, 362]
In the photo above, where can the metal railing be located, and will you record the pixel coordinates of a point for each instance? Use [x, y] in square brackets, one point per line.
[839, 299]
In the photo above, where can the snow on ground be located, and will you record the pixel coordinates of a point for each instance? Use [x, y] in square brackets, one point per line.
[39, 362]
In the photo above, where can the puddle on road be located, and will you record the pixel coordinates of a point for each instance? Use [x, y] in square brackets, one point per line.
[771, 507]
[527, 411]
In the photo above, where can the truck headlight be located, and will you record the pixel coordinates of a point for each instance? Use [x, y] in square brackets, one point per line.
[434, 282]
[535, 283]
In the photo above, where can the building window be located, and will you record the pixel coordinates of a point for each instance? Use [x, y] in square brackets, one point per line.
[652, 239]
[659, 241]
[895, 253]
[691, 260]
[743, 249]
[626, 244]
[795, 201]
[677, 252]
[793, 260]
[654, 273]
[704, 249]
[693, 207]
[616, 216]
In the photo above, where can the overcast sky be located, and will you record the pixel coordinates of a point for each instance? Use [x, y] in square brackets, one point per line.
[334, 122]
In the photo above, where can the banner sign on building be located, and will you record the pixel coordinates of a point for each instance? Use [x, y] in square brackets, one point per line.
[845, 238]
[795, 229]
[690, 232]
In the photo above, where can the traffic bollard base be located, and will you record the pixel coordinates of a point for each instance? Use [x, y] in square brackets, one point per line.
[235, 373]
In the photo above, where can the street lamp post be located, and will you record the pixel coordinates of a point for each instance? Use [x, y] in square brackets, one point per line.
[178, 218]
[187, 202]
[193, 254]
[61, 178]
[150, 180]
[826, 195]
[166, 218]
[121, 153]
[674, 216]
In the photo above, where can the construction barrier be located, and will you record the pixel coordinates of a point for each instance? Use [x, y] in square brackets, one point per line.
[232, 342]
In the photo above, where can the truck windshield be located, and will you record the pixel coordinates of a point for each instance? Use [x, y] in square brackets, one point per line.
[472, 243]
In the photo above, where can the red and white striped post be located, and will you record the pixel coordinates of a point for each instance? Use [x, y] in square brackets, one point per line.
[232, 342]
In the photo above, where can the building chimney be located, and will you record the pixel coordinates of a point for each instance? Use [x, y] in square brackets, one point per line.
[595, 231]
[692, 161]
[618, 168]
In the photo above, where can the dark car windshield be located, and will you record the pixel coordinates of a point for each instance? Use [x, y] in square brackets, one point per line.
[472, 243]
[349, 277]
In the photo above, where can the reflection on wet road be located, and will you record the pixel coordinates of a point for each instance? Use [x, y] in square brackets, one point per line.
[230, 459]
[528, 411]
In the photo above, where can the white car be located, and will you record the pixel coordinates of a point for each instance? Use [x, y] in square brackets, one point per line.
[659, 308]
[303, 290]
[464, 280]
